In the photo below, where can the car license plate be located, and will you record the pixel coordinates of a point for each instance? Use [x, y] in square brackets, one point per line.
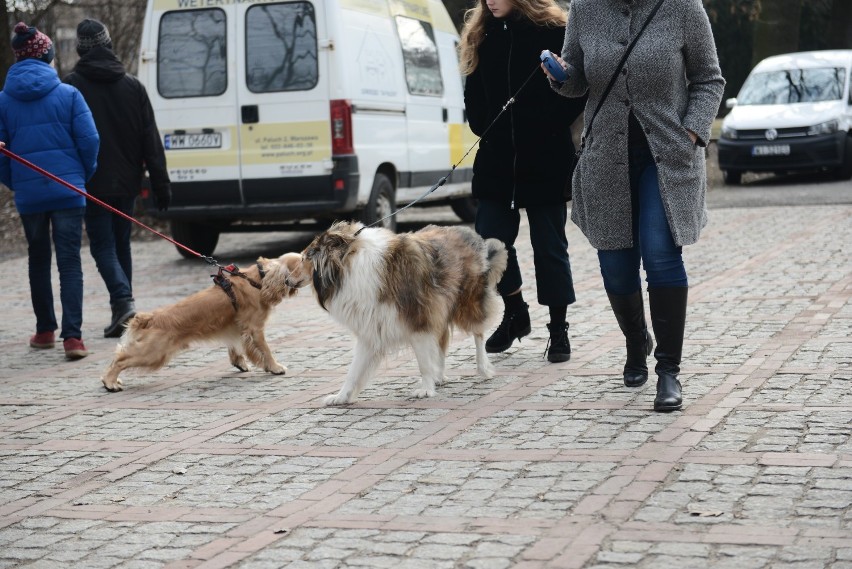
[197, 140]
[771, 150]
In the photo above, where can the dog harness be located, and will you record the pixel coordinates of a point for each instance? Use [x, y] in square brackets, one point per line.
[225, 283]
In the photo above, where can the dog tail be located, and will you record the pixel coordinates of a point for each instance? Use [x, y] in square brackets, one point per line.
[497, 258]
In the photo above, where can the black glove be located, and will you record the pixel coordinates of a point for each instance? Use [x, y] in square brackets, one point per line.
[163, 197]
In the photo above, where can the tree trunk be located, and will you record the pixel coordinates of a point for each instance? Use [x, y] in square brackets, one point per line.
[776, 29]
[7, 58]
[840, 28]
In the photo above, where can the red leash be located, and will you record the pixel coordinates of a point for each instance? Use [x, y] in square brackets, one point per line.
[71, 187]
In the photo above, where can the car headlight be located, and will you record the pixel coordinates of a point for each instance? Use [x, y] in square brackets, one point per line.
[827, 127]
[728, 132]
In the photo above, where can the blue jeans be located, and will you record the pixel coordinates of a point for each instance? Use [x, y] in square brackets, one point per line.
[554, 282]
[653, 244]
[67, 227]
[109, 243]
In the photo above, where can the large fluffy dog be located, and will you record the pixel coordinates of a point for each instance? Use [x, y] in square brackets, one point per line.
[236, 318]
[395, 290]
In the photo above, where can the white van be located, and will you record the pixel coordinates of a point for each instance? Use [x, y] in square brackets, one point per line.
[794, 112]
[274, 111]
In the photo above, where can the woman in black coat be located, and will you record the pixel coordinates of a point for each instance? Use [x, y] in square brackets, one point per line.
[524, 157]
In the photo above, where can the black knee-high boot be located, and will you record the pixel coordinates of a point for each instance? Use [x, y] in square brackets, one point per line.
[668, 318]
[630, 314]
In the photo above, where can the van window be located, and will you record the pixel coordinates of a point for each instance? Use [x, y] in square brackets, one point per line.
[793, 86]
[281, 47]
[422, 67]
[191, 55]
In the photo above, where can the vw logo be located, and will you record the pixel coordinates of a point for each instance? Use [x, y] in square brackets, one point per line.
[771, 134]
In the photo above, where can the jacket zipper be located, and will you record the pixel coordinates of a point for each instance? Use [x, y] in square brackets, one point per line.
[512, 119]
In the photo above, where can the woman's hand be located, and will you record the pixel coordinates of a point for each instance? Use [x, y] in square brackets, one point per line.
[560, 61]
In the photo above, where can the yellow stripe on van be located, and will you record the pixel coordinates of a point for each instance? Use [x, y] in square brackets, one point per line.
[286, 143]
[441, 19]
[461, 139]
[417, 9]
[162, 5]
[206, 157]
[374, 7]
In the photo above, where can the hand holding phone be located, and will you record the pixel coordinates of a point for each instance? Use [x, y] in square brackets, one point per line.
[553, 66]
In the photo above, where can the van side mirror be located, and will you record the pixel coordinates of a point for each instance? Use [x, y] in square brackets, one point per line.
[731, 103]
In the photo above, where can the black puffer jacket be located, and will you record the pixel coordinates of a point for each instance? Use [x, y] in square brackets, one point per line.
[528, 152]
[130, 141]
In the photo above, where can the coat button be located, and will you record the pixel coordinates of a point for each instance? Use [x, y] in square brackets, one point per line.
[626, 12]
[626, 102]
[624, 71]
[658, 159]
[623, 42]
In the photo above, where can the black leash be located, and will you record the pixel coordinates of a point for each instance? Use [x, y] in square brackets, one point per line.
[444, 179]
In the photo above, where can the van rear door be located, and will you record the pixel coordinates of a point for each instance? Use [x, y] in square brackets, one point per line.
[190, 79]
[283, 101]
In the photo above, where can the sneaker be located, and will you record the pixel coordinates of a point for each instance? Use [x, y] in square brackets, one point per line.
[43, 340]
[74, 348]
[558, 346]
[515, 325]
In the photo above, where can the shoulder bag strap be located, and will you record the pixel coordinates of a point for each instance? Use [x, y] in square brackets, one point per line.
[618, 70]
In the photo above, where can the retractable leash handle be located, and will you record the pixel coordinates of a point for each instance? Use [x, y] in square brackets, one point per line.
[5, 151]
[444, 179]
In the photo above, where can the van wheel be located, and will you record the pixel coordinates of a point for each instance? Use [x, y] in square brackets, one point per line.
[382, 203]
[200, 238]
[732, 177]
[465, 208]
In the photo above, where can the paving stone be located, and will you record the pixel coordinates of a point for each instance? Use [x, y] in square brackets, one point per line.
[542, 465]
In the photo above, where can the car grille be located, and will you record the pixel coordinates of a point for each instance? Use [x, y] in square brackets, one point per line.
[795, 132]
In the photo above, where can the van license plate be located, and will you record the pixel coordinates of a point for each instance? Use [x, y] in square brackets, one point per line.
[771, 150]
[198, 140]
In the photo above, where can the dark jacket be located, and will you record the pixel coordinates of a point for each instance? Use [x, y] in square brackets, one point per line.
[130, 141]
[527, 154]
[48, 124]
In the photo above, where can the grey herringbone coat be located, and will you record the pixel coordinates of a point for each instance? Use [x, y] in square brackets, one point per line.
[671, 81]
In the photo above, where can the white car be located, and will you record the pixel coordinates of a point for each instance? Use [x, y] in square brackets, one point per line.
[794, 112]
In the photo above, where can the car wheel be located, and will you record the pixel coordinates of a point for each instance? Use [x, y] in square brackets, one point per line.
[844, 172]
[198, 237]
[465, 208]
[382, 203]
[732, 177]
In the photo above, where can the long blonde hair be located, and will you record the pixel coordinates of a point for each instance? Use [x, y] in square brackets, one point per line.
[539, 12]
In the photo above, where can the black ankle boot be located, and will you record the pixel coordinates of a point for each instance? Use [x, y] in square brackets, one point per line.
[122, 311]
[558, 345]
[630, 314]
[668, 318]
[515, 325]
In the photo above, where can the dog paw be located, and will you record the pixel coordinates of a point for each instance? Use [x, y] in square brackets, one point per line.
[441, 380]
[277, 369]
[113, 386]
[337, 399]
[241, 365]
[487, 371]
[423, 393]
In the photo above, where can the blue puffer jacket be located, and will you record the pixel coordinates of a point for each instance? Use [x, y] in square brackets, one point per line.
[48, 123]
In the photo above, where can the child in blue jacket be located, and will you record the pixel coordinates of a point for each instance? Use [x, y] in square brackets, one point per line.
[48, 123]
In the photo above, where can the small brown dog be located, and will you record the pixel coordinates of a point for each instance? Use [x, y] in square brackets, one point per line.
[235, 314]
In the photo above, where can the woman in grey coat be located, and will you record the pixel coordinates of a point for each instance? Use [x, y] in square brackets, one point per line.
[639, 185]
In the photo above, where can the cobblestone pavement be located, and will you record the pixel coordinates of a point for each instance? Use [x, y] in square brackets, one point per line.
[546, 465]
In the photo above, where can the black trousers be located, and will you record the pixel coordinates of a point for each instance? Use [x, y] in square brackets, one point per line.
[554, 283]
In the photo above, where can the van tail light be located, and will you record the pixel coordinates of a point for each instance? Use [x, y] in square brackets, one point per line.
[341, 127]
